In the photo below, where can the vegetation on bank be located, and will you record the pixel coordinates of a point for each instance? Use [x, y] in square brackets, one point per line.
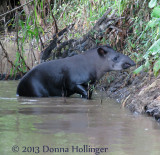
[45, 18]
[148, 39]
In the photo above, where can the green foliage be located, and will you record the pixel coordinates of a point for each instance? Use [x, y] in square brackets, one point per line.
[156, 12]
[83, 13]
[144, 43]
[121, 5]
[138, 70]
[28, 30]
[150, 39]
[152, 3]
[156, 67]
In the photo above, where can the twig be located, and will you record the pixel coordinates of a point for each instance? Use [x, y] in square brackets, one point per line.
[125, 100]
[15, 9]
[7, 57]
[17, 40]
[113, 27]
[42, 45]
[54, 19]
[103, 18]
[63, 12]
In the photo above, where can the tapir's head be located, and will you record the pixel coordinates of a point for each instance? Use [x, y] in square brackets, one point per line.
[113, 60]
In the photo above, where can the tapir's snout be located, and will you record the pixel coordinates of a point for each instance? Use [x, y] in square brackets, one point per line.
[128, 64]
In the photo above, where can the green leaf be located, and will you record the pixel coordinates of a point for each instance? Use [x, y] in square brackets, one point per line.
[152, 23]
[156, 12]
[152, 3]
[31, 32]
[138, 70]
[155, 48]
[156, 67]
[133, 45]
[147, 64]
[146, 55]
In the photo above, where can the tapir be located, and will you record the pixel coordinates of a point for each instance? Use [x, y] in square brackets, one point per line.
[64, 77]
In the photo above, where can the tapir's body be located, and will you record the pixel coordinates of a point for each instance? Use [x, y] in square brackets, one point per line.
[64, 77]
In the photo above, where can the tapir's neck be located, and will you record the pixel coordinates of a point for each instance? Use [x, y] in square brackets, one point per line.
[98, 63]
[101, 71]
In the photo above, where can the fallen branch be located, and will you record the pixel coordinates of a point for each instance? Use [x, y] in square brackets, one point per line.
[106, 27]
[45, 54]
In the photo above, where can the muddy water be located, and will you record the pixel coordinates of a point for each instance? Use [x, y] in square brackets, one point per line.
[72, 126]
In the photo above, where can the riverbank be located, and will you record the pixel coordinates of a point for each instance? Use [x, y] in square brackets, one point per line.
[140, 93]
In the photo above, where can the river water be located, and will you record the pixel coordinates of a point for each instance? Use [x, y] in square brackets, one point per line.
[72, 126]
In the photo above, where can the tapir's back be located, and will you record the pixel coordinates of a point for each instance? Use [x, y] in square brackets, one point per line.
[48, 78]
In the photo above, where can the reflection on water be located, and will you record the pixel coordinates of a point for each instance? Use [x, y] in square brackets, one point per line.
[72, 126]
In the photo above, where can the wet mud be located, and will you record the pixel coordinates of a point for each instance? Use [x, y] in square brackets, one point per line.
[139, 93]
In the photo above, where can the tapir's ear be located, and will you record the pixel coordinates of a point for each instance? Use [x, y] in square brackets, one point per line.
[101, 51]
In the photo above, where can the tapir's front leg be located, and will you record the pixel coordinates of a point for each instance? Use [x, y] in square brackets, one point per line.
[82, 91]
[90, 91]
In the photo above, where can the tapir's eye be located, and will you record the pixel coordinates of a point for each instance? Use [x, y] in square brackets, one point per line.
[115, 58]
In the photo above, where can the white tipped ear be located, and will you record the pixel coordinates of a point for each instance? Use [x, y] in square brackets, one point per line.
[101, 51]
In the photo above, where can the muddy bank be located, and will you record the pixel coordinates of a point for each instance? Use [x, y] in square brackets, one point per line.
[140, 93]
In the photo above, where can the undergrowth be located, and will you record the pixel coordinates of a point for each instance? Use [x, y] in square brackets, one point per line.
[142, 42]
[145, 40]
